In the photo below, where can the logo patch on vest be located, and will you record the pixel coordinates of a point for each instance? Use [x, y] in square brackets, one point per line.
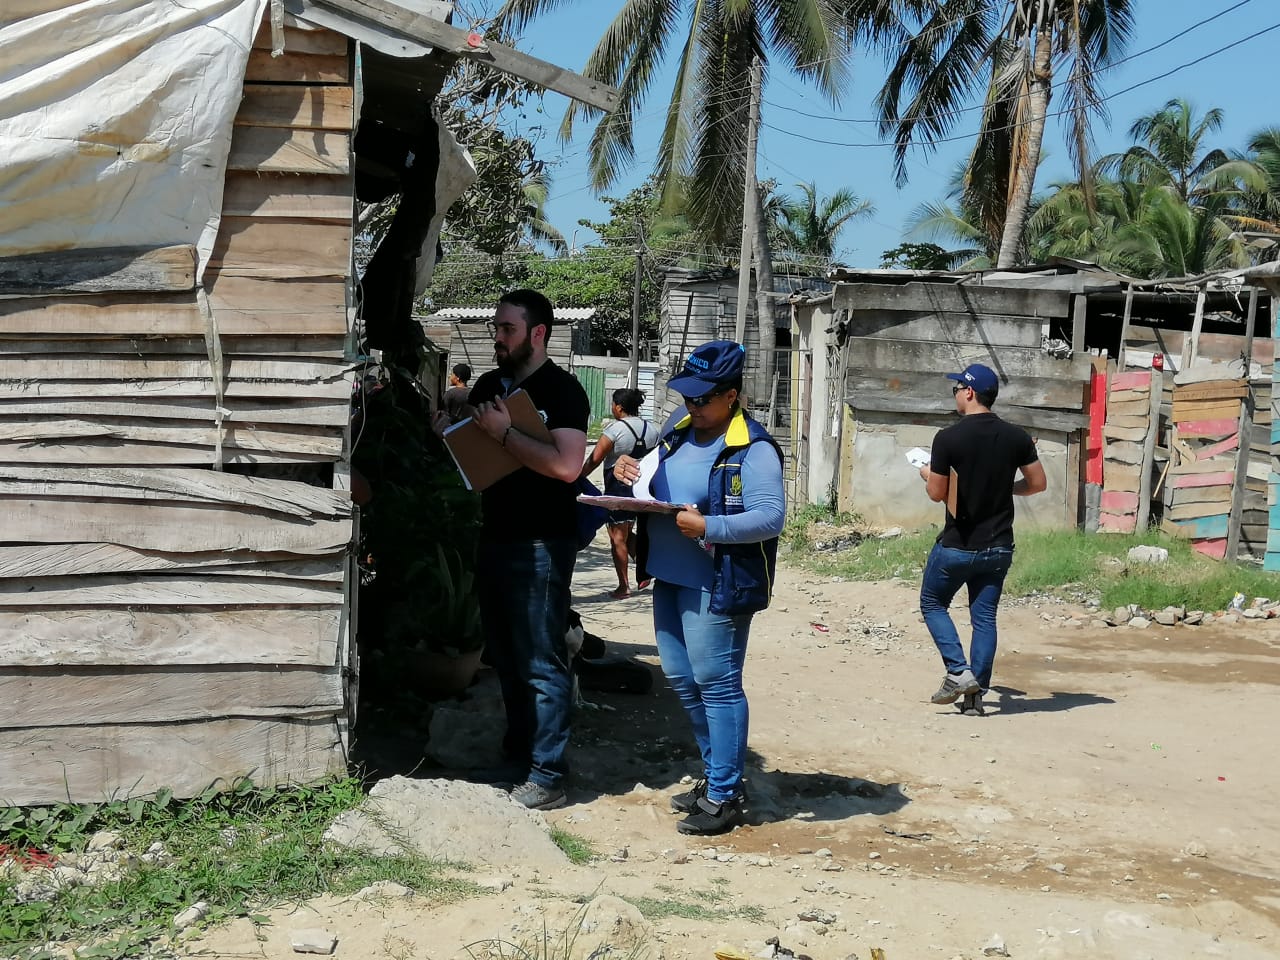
[735, 486]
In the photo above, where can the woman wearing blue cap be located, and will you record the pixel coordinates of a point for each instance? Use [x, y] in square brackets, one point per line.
[713, 567]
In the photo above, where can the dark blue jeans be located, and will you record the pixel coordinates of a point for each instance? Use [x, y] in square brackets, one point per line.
[524, 609]
[983, 572]
[702, 656]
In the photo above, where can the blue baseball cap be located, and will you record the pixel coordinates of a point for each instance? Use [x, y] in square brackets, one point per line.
[711, 365]
[982, 379]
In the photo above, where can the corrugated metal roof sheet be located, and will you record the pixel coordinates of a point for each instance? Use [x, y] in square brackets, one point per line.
[481, 314]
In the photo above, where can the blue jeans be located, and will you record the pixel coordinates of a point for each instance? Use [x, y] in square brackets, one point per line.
[524, 609]
[702, 657]
[983, 572]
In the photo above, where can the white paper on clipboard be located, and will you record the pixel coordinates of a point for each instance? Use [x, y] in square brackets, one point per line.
[648, 468]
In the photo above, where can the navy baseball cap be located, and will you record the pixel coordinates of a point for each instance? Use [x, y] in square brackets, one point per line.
[982, 379]
[711, 365]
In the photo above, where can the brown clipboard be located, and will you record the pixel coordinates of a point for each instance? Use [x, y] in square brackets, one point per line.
[953, 486]
[482, 460]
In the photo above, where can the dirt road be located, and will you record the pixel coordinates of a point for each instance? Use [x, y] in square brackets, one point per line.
[1118, 800]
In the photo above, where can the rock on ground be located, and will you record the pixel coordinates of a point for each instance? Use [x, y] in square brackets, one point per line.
[447, 820]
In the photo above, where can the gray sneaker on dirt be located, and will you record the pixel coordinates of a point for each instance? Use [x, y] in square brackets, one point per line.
[537, 797]
[971, 705]
[955, 686]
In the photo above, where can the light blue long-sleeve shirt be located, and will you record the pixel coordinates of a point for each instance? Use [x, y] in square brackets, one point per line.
[683, 478]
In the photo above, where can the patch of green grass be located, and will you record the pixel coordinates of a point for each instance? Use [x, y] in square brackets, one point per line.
[578, 849]
[692, 903]
[241, 851]
[1073, 565]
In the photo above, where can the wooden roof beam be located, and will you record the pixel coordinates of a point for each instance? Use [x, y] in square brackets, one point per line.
[390, 16]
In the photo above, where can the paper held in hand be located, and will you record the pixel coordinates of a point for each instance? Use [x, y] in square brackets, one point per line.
[482, 460]
[918, 457]
[641, 500]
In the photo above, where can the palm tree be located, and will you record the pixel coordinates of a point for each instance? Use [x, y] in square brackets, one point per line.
[535, 188]
[942, 52]
[700, 165]
[810, 227]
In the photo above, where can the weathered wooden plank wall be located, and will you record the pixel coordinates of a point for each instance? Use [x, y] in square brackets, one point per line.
[902, 339]
[163, 624]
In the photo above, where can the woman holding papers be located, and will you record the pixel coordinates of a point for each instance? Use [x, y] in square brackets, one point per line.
[634, 436]
[712, 565]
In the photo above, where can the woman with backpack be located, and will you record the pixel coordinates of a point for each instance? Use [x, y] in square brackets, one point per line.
[633, 436]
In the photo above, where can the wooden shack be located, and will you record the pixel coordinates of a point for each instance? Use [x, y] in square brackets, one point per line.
[176, 581]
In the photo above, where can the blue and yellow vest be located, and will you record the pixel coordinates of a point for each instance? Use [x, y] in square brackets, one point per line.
[742, 581]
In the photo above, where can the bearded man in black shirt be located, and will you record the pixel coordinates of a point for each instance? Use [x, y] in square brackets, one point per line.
[979, 456]
[528, 544]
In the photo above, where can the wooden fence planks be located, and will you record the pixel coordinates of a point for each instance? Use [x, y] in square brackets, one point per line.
[47, 764]
[278, 247]
[121, 637]
[251, 193]
[297, 67]
[126, 591]
[285, 150]
[952, 297]
[101, 270]
[988, 332]
[297, 106]
[75, 559]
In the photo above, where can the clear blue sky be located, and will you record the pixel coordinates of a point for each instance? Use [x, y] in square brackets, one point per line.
[1241, 81]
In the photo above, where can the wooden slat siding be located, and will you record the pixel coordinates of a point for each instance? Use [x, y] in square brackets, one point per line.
[101, 270]
[1119, 502]
[1129, 381]
[166, 591]
[1219, 494]
[1121, 477]
[285, 150]
[290, 249]
[1112, 432]
[1125, 452]
[1217, 478]
[112, 636]
[1213, 346]
[1130, 408]
[884, 354]
[162, 315]
[200, 486]
[993, 333]
[1208, 451]
[261, 348]
[1208, 428]
[116, 453]
[74, 696]
[1127, 421]
[303, 40]
[1221, 390]
[299, 107]
[952, 297]
[284, 438]
[249, 193]
[866, 384]
[297, 68]
[285, 389]
[1184, 410]
[1215, 548]
[1200, 528]
[1030, 418]
[307, 412]
[1192, 511]
[64, 366]
[73, 559]
[1117, 523]
[46, 765]
[168, 526]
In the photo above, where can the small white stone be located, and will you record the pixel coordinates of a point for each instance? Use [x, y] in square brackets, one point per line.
[995, 947]
[105, 840]
[1163, 896]
[824, 852]
[873, 855]
[313, 940]
[193, 914]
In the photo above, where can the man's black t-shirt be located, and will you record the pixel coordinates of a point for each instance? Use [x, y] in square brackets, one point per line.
[985, 453]
[526, 505]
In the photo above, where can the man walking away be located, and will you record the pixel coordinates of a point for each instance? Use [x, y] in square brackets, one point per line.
[975, 548]
[528, 544]
[455, 398]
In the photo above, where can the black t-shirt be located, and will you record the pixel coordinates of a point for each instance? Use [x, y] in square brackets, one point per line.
[526, 505]
[985, 453]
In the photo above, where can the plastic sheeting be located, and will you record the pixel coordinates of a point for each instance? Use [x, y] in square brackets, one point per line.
[116, 119]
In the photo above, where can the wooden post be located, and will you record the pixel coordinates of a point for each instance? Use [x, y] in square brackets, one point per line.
[1243, 448]
[1191, 346]
[1079, 310]
[634, 380]
[1249, 324]
[1124, 327]
[1149, 453]
[749, 203]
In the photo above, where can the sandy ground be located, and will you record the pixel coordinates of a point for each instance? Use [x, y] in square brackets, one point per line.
[1118, 800]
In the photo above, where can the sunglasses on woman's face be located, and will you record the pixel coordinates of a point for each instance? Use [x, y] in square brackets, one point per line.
[703, 400]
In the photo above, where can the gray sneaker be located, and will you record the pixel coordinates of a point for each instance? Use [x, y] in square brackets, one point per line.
[971, 705]
[537, 797]
[955, 686]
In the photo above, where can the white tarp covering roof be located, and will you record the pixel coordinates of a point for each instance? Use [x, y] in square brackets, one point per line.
[116, 119]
